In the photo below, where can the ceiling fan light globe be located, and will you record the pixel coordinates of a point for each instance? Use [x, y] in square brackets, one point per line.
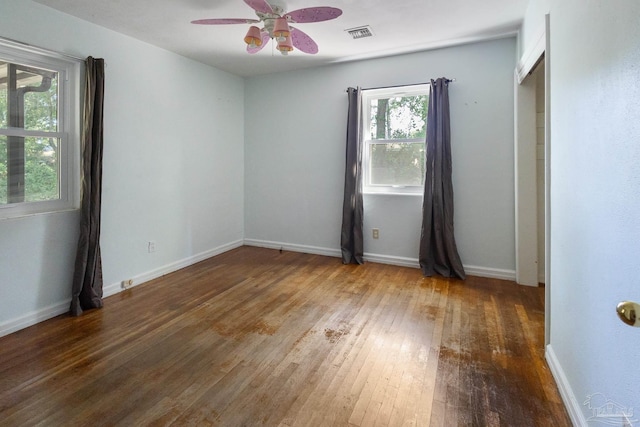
[253, 43]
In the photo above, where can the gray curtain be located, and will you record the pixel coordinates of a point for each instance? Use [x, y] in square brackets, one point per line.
[438, 251]
[351, 241]
[87, 277]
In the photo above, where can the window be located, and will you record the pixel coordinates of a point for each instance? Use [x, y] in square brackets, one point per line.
[39, 131]
[394, 139]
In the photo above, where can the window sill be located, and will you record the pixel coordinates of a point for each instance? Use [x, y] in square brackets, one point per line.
[24, 215]
[391, 193]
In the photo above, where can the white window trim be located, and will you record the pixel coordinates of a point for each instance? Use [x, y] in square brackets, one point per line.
[367, 96]
[69, 73]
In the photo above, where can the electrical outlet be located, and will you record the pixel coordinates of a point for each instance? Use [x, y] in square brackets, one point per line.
[151, 247]
[126, 284]
[376, 233]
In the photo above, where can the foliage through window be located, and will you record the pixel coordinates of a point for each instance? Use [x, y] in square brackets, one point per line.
[38, 132]
[394, 139]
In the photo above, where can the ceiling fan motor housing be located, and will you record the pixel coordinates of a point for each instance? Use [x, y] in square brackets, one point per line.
[269, 19]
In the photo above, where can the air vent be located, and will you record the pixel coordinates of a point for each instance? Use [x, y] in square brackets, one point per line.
[360, 32]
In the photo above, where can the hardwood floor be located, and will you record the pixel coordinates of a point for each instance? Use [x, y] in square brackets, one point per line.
[258, 337]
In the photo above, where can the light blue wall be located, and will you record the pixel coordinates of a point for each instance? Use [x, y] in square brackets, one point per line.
[173, 166]
[294, 158]
[595, 203]
[595, 188]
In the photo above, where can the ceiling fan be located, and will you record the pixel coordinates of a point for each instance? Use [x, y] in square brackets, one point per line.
[276, 26]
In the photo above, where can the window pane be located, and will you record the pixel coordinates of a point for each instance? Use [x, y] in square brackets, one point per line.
[398, 117]
[28, 98]
[41, 169]
[397, 164]
[38, 158]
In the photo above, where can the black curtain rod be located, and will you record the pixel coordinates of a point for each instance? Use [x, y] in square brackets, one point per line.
[412, 84]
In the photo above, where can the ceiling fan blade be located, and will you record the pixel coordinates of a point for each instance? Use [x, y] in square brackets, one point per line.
[303, 42]
[224, 21]
[314, 14]
[265, 40]
[259, 6]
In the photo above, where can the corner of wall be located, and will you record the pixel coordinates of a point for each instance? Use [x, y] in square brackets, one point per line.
[57, 309]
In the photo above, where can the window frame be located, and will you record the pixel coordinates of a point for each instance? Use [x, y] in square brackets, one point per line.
[372, 94]
[68, 132]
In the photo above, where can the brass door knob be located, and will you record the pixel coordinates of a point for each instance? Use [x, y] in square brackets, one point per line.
[628, 312]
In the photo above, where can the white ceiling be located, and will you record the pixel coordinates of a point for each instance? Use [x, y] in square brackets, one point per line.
[398, 26]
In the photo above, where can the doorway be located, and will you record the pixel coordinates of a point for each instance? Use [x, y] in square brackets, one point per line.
[530, 181]
[532, 169]
[539, 75]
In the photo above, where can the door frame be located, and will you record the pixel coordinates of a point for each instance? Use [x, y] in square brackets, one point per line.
[525, 172]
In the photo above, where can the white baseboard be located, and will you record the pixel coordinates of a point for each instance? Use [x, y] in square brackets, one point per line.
[570, 402]
[493, 273]
[392, 260]
[170, 268]
[34, 317]
[337, 253]
[315, 250]
[54, 310]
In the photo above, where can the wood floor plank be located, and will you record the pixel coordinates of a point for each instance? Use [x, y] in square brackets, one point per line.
[262, 337]
[335, 388]
[406, 336]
